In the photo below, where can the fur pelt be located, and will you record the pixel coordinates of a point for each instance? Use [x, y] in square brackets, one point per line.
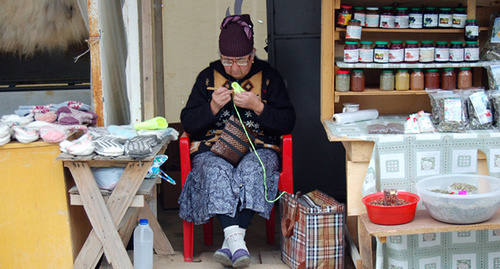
[29, 26]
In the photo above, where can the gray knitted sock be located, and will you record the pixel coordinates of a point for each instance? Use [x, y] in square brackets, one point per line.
[141, 146]
[109, 146]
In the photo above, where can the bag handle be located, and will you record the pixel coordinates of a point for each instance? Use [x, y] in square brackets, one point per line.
[288, 220]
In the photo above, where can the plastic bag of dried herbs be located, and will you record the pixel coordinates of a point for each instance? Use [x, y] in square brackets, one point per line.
[451, 109]
[494, 97]
[493, 77]
[434, 113]
[377, 128]
[491, 49]
[479, 109]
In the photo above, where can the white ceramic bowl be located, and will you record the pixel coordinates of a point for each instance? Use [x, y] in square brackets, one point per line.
[473, 207]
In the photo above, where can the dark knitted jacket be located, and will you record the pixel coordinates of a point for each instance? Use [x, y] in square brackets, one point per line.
[277, 118]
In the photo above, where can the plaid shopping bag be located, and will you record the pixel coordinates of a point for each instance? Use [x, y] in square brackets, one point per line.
[312, 231]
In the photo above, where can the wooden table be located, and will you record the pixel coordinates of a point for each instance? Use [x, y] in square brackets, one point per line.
[114, 220]
[422, 223]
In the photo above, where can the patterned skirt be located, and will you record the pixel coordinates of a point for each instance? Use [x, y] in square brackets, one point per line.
[216, 187]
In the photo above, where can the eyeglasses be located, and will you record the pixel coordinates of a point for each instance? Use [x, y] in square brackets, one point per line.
[230, 62]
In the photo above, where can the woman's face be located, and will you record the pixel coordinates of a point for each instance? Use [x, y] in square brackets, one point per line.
[237, 67]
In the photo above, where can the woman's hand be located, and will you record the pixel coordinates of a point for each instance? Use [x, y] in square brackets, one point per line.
[220, 98]
[250, 101]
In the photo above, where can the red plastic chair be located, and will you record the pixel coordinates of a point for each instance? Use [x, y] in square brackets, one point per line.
[285, 184]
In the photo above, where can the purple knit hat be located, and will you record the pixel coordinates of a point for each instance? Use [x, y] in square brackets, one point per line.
[236, 36]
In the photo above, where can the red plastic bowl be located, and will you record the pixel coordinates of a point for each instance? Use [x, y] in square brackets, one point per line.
[391, 215]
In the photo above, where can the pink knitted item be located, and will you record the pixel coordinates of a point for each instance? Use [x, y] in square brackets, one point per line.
[48, 116]
[70, 116]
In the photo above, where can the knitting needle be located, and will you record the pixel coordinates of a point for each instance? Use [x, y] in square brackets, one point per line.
[213, 88]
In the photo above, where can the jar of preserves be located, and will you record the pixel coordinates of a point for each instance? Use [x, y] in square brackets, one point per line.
[396, 51]
[471, 51]
[417, 80]
[366, 52]
[442, 51]
[359, 14]
[459, 17]
[471, 30]
[357, 81]
[430, 17]
[344, 16]
[415, 18]
[381, 52]
[445, 17]
[342, 81]
[351, 52]
[402, 80]
[464, 78]
[456, 51]
[411, 51]
[448, 79]
[401, 18]
[353, 30]
[426, 51]
[387, 80]
[372, 17]
[432, 79]
[387, 17]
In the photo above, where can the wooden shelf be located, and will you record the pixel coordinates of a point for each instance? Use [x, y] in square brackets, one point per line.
[342, 64]
[376, 92]
[416, 31]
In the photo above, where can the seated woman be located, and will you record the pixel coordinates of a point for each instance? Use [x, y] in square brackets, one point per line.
[215, 187]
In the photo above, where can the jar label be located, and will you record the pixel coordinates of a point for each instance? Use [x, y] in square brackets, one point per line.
[366, 55]
[458, 20]
[381, 55]
[430, 20]
[415, 20]
[479, 101]
[396, 55]
[386, 21]
[453, 109]
[445, 20]
[411, 54]
[343, 19]
[457, 55]
[351, 56]
[371, 20]
[360, 17]
[401, 21]
[471, 54]
[353, 32]
[426, 55]
[471, 30]
[441, 54]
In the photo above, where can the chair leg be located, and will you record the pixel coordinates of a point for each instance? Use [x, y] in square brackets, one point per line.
[208, 232]
[188, 234]
[270, 227]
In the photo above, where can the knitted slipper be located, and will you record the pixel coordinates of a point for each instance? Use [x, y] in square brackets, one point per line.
[71, 116]
[4, 140]
[109, 146]
[223, 256]
[53, 133]
[46, 117]
[152, 124]
[17, 120]
[241, 258]
[81, 146]
[123, 131]
[4, 130]
[24, 135]
[141, 146]
[97, 132]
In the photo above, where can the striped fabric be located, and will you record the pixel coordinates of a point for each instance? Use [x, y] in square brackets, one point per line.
[317, 237]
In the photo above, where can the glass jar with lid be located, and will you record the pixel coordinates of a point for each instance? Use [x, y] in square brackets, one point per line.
[342, 81]
[430, 17]
[357, 81]
[432, 79]
[442, 51]
[344, 15]
[445, 17]
[381, 52]
[372, 17]
[351, 52]
[387, 17]
[401, 18]
[417, 80]
[464, 78]
[387, 80]
[456, 51]
[471, 30]
[402, 80]
[459, 17]
[411, 51]
[353, 30]
[396, 51]
[366, 52]
[448, 79]
[359, 14]
[471, 51]
[426, 51]
[415, 18]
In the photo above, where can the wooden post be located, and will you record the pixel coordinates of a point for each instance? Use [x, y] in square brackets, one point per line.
[95, 60]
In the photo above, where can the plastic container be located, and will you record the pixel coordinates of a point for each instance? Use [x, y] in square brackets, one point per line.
[357, 81]
[465, 208]
[402, 80]
[464, 78]
[366, 52]
[344, 16]
[448, 79]
[417, 80]
[143, 245]
[342, 81]
[372, 17]
[432, 79]
[391, 215]
[386, 17]
[415, 18]
[387, 80]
